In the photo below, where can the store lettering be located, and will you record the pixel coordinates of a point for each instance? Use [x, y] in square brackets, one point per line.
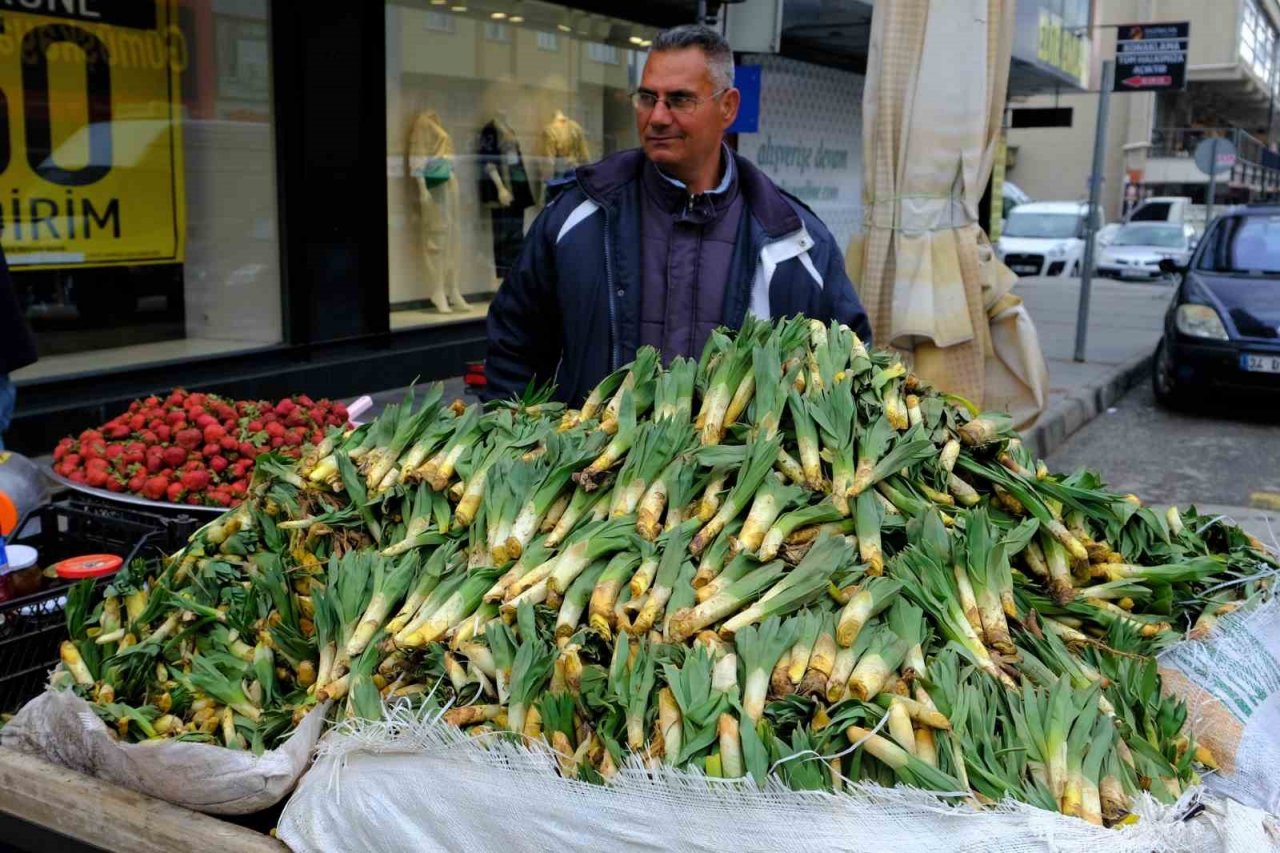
[76, 218]
[35, 85]
[118, 48]
[773, 155]
[81, 8]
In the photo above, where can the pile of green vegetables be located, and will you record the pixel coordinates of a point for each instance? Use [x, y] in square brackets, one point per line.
[789, 558]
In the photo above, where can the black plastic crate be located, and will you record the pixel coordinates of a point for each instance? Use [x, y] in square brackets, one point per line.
[33, 626]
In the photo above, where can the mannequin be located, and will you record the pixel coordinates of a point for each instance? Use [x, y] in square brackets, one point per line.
[430, 162]
[504, 189]
[565, 144]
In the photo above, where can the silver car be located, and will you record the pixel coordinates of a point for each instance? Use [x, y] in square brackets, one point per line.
[1138, 248]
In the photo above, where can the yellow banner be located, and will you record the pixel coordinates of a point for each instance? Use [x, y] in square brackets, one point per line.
[1062, 48]
[91, 154]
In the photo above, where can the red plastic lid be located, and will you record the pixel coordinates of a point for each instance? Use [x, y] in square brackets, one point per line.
[88, 566]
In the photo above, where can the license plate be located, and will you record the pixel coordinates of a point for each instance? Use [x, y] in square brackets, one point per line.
[1024, 269]
[1260, 363]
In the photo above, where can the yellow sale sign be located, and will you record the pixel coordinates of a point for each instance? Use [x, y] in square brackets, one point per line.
[91, 133]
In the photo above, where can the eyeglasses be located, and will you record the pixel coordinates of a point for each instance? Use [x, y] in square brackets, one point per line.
[677, 103]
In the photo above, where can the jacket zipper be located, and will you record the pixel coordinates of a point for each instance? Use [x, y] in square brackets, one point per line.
[608, 273]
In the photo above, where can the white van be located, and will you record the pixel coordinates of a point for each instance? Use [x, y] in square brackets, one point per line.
[1045, 238]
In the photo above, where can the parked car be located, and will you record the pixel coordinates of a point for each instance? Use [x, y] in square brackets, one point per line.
[1138, 248]
[1222, 331]
[1173, 209]
[1045, 238]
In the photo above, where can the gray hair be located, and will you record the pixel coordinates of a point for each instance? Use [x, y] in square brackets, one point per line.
[713, 45]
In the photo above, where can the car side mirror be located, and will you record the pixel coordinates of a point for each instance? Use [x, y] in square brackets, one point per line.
[1169, 266]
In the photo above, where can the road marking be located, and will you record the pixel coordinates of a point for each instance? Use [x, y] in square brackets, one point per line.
[1265, 500]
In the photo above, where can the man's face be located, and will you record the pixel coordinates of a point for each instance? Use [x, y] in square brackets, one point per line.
[678, 140]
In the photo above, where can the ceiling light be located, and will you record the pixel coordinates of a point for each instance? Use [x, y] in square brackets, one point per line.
[564, 28]
[636, 40]
[516, 19]
[498, 16]
[457, 8]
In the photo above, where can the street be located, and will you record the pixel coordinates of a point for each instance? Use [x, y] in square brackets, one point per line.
[1226, 461]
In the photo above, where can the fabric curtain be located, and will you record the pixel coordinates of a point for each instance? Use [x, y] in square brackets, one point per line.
[937, 77]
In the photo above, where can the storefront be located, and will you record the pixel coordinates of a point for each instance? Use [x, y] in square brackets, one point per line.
[260, 197]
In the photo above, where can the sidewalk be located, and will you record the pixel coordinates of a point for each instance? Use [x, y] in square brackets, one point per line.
[1125, 323]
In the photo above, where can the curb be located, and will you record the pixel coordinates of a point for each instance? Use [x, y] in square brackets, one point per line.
[1065, 417]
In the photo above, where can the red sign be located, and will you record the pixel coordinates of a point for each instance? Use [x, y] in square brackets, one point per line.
[1148, 81]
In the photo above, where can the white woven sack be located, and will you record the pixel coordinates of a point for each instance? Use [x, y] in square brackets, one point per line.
[1231, 683]
[413, 783]
[61, 727]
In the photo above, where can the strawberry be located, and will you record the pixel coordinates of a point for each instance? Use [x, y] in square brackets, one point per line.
[174, 492]
[275, 429]
[304, 400]
[155, 464]
[72, 459]
[195, 481]
[229, 442]
[76, 476]
[189, 439]
[210, 450]
[239, 488]
[115, 451]
[115, 484]
[163, 433]
[277, 441]
[174, 456]
[218, 464]
[97, 478]
[284, 407]
[214, 432]
[255, 426]
[177, 416]
[97, 464]
[247, 450]
[151, 402]
[137, 423]
[205, 420]
[60, 452]
[136, 483]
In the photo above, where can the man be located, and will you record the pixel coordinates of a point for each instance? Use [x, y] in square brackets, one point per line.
[17, 349]
[661, 245]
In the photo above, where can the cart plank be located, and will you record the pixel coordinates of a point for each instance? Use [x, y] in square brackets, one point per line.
[112, 817]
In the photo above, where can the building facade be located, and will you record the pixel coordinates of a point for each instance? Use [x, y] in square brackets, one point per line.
[1233, 89]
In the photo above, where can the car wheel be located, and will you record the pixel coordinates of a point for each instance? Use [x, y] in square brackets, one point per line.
[1164, 379]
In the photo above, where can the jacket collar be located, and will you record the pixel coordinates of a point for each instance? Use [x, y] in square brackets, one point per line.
[604, 180]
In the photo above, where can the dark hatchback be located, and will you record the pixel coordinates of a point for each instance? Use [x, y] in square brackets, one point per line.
[1222, 331]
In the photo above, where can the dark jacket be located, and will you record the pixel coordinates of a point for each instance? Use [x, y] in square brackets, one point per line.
[569, 311]
[17, 346]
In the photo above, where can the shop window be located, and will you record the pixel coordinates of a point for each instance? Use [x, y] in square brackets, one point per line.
[481, 114]
[140, 216]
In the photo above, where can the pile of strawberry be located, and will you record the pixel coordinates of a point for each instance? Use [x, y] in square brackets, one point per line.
[195, 449]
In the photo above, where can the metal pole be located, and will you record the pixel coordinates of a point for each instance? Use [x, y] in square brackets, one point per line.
[1095, 190]
[1213, 181]
[702, 11]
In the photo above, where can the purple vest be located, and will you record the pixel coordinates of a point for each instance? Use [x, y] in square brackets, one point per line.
[687, 252]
